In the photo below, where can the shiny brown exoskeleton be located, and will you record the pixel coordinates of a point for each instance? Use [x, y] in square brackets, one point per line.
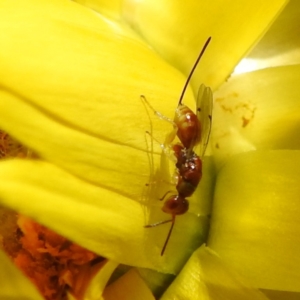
[191, 129]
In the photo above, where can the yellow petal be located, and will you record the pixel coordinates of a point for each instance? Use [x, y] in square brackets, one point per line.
[280, 45]
[207, 277]
[128, 287]
[13, 284]
[279, 295]
[96, 287]
[257, 110]
[111, 8]
[156, 281]
[255, 223]
[234, 26]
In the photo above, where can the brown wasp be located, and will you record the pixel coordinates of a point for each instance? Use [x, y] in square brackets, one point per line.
[192, 129]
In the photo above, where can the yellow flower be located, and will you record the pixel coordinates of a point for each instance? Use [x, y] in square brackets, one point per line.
[71, 82]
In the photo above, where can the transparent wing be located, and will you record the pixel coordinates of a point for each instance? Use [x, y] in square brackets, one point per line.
[204, 115]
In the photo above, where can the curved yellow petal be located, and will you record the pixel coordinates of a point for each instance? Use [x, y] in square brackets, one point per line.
[128, 287]
[112, 9]
[156, 281]
[255, 222]
[206, 277]
[13, 284]
[279, 295]
[257, 110]
[97, 286]
[280, 45]
[234, 26]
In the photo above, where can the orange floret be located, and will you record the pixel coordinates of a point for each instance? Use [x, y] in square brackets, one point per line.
[53, 263]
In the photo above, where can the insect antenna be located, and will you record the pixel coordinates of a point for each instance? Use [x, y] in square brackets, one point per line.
[168, 237]
[193, 69]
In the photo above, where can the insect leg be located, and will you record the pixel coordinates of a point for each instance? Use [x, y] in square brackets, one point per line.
[158, 223]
